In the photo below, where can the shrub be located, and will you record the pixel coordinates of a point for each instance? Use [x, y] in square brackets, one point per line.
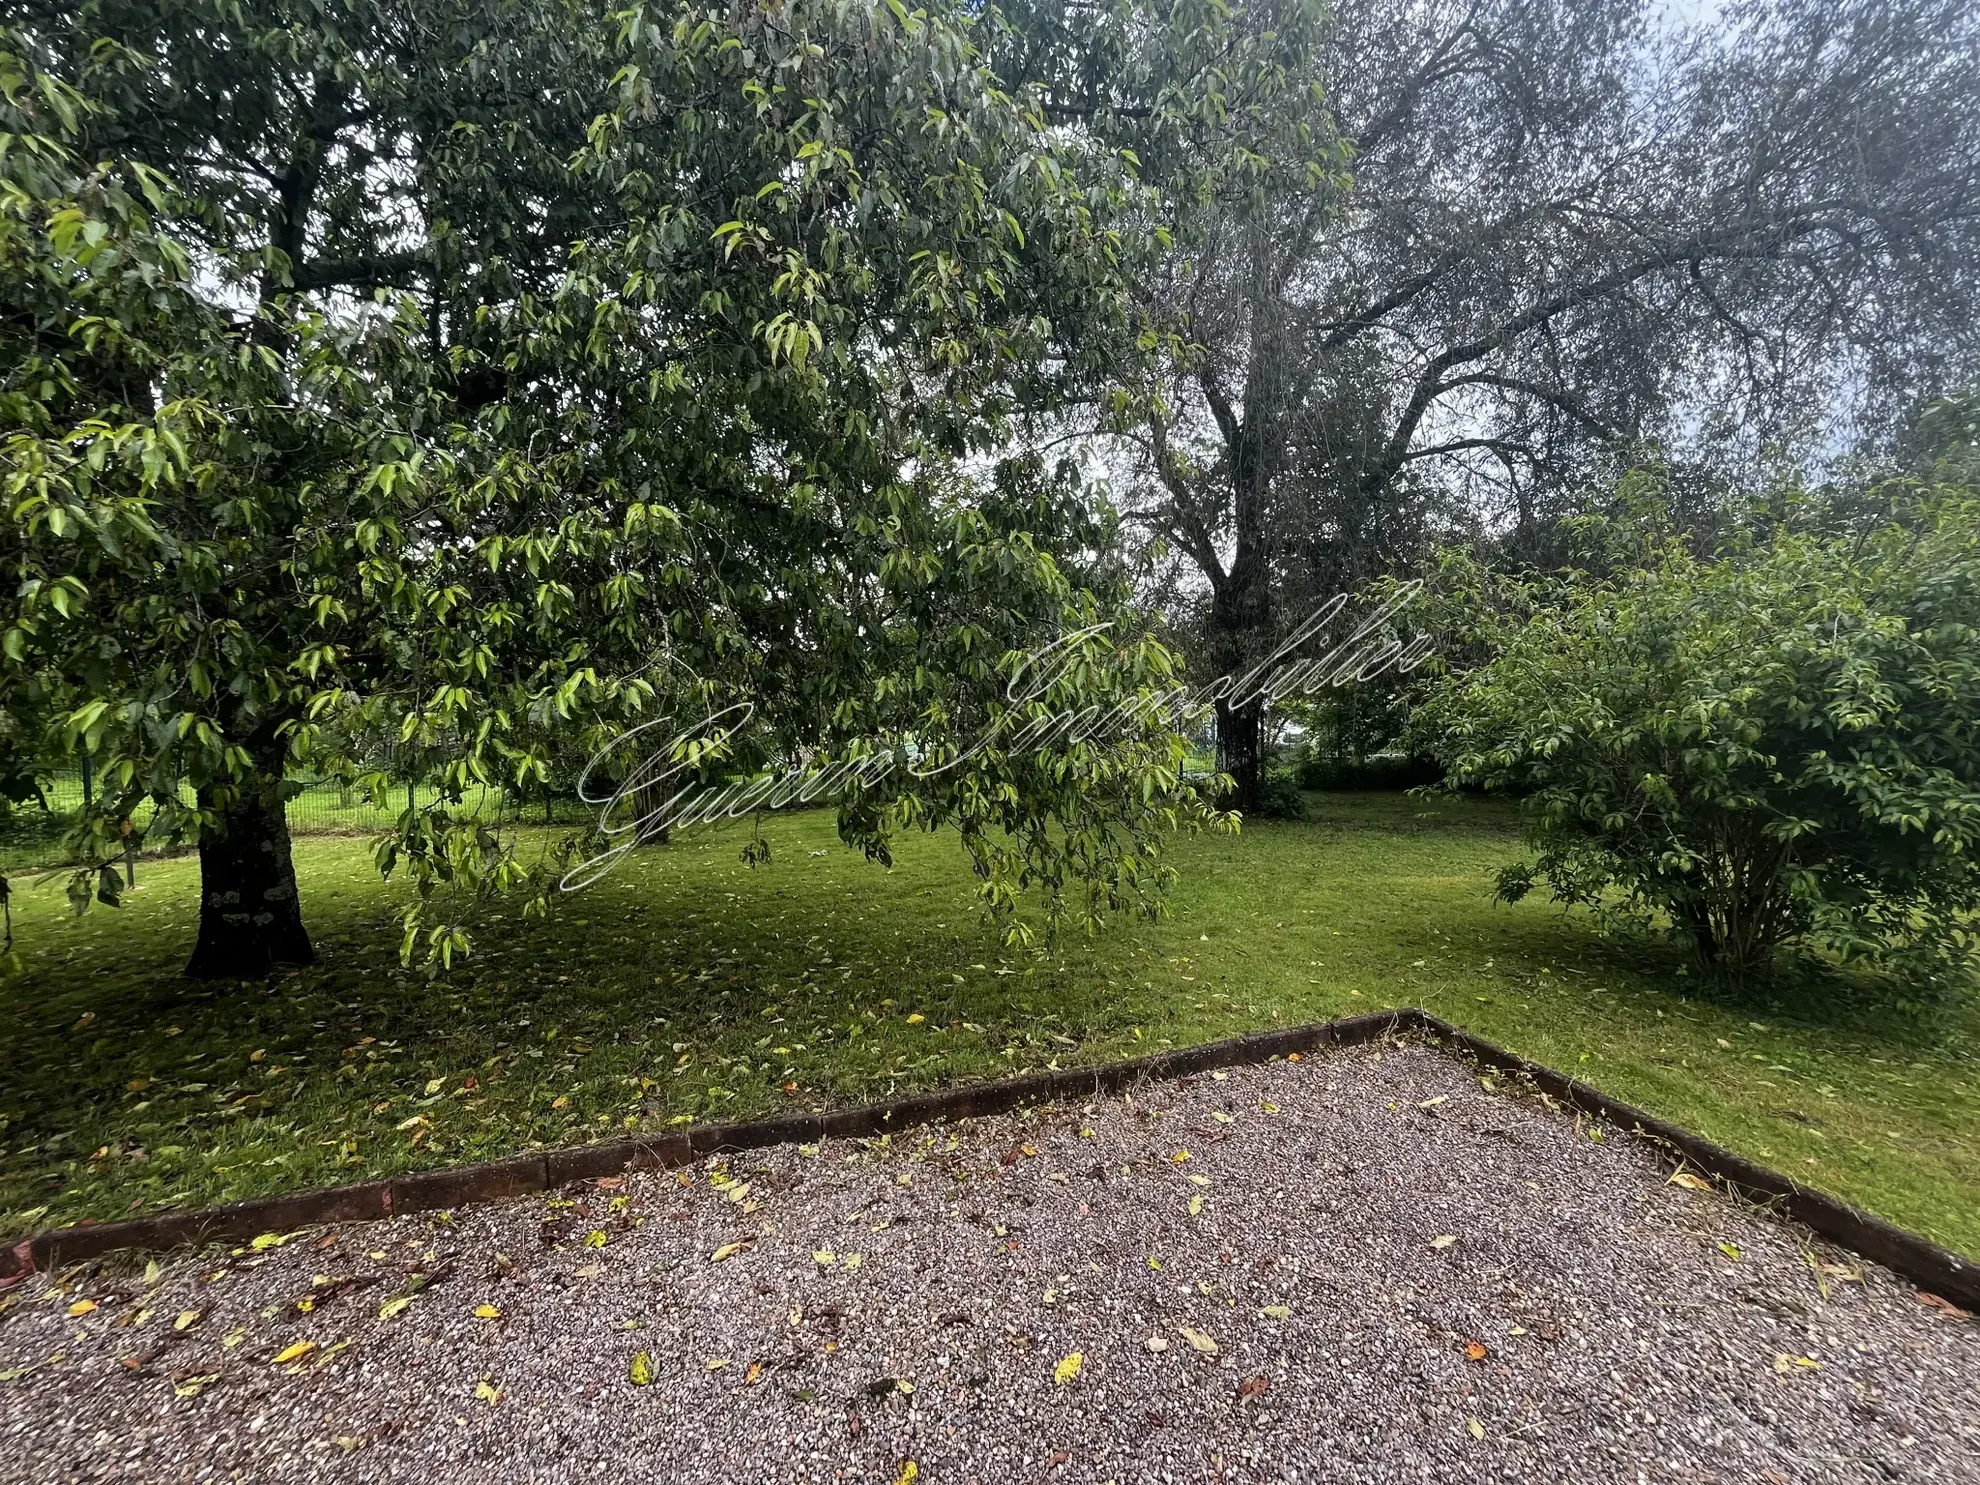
[1779, 743]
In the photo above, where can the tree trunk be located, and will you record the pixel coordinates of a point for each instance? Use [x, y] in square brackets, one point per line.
[1241, 752]
[250, 916]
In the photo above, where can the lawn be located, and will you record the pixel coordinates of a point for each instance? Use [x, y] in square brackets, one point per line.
[689, 986]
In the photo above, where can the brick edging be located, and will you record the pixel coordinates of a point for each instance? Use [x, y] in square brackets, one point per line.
[1907, 1254]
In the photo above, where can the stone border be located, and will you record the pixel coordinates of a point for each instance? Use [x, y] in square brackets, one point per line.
[1922, 1263]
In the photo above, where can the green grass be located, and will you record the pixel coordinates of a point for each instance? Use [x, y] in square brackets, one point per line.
[691, 987]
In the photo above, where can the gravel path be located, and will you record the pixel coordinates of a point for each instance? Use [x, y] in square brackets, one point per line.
[1367, 1265]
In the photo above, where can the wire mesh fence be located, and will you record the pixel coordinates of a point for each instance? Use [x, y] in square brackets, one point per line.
[31, 833]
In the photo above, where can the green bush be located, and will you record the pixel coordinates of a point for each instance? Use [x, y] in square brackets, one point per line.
[1776, 744]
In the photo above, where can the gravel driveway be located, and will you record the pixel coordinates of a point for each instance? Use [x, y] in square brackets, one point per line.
[1366, 1265]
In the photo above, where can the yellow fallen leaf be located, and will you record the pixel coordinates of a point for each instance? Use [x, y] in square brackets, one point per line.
[268, 1240]
[910, 1472]
[1785, 1363]
[594, 1239]
[1276, 1312]
[1431, 1103]
[1443, 1240]
[193, 1386]
[755, 1371]
[1067, 1369]
[641, 1370]
[825, 1256]
[186, 1317]
[488, 1392]
[1690, 1182]
[1196, 1206]
[434, 1085]
[393, 1307]
[82, 1307]
[487, 1312]
[852, 1260]
[1199, 1340]
[293, 1353]
[916, 1019]
[1269, 1107]
[1730, 1250]
[1179, 1157]
[1474, 1428]
[716, 1363]
[727, 1250]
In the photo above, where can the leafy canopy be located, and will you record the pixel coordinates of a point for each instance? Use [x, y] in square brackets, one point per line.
[467, 392]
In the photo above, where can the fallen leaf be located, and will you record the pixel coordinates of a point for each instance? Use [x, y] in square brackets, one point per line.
[294, 1352]
[1785, 1362]
[916, 1019]
[594, 1239]
[1729, 1250]
[1443, 1240]
[1199, 1340]
[185, 1318]
[1431, 1103]
[193, 1386]
[852, 1260]
[1474, 1351]
[727, 1250]
[1690, 1182]
[1474, 1428]
[641, 1370]
[487, 1392]
[825, 1256]
[1067, 1369]
[755, 1371]
[1940, 1302]
[434, 1086]
[268, 1240]
[1196, 1206]
[909, 1472]
[487, 1312]
[393, 1307]
[1276, 1312]
[1179, 1157]
[1254, 1387]
[715, 1363]
[82, 1307]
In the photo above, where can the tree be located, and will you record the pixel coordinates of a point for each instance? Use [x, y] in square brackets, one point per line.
[1773, 744]
[1563, 231]
[469, 378]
